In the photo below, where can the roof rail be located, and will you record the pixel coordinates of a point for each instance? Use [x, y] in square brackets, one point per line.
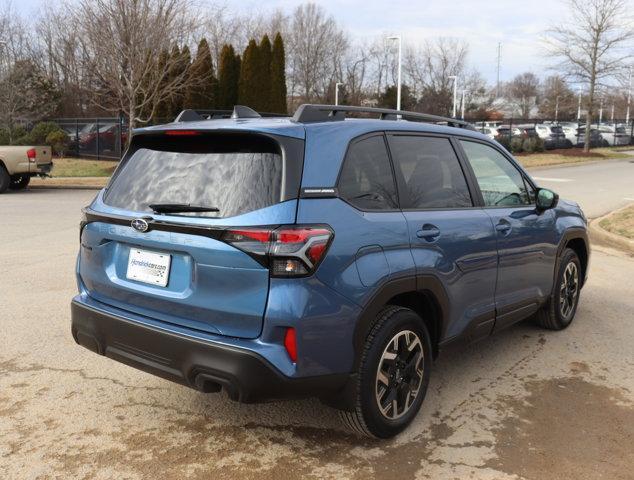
[239, 111]
[308, 113]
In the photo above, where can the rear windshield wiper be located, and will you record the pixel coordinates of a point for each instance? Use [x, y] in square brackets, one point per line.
[179, 208]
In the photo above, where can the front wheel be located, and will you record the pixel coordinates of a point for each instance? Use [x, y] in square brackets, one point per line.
[19, 182]
[562, 306]
[393, 375]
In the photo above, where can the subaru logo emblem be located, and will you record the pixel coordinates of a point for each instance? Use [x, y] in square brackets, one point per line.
[140, 225]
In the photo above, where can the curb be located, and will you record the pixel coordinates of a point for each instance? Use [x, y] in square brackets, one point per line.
[64, 187]
[602, 236]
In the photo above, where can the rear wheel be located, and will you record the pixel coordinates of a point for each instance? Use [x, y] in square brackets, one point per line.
[562, 306]
[393, 375]
[5, 179]
[19, 182]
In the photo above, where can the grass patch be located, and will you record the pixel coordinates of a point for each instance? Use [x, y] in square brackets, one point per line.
[621, 223]
[570, 155]
[81, 167]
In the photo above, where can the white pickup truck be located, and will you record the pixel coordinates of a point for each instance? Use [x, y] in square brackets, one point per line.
[18, 164]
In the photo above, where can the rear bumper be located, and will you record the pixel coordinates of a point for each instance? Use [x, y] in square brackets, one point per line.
[43, 168]
[206, 366]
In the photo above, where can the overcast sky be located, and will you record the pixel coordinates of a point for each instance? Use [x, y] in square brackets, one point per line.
[518, 24]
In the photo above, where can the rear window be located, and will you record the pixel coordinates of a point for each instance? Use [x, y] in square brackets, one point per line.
[235, 174]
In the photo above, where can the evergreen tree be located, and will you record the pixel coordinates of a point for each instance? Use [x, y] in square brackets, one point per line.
[248, 88]
[277, 102]
[263, 74]
[182, 64]
[228, 78]
[162, 110]
[202, 86]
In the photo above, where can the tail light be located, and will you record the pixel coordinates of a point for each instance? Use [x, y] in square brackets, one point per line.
[31, 153]
[288, 251]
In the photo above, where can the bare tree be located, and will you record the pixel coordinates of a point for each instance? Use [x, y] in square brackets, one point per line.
[594, 46]
[428, 68]
[522, 93]
[122, 41]
[315, 42]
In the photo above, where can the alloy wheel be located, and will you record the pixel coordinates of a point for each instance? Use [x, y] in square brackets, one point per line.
[399, 375]
[568, 290]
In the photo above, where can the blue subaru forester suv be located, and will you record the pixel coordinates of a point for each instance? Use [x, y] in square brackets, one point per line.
[319, 255]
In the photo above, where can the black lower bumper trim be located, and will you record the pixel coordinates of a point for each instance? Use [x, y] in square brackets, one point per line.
[208, 367]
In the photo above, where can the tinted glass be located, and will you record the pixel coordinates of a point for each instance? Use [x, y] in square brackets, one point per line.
[500, 182]
[366, 179]
[236, 175]
[432, 173]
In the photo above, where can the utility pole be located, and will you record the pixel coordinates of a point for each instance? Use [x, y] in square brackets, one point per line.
[556, 108]
[455, 93]
[612, 115]
[337, 85]
[579, 106]
[464, 101]
[497, 88]
[400, 58]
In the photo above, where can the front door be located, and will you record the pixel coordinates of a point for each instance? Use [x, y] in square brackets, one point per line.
[525, 235]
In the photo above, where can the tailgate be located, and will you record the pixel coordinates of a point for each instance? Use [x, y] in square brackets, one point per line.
[175, 267]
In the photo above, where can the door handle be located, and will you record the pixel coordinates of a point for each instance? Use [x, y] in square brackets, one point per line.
[428, 232]
[504, 227]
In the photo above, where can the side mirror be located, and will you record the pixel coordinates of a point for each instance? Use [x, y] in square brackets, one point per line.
[546, 199]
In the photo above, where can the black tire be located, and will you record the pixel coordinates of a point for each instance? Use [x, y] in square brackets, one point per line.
[19, 182]
[5, 179]
[560, 310]
[407, 374]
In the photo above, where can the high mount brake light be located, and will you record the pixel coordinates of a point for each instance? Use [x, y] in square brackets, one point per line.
[288, 251]
[182, 133]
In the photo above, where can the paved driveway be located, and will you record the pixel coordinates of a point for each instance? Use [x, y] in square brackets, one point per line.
[524, 404]
[599, 187]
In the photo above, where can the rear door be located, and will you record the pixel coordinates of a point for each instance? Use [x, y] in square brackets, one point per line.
[177, 267]
[450, 238]
[526, 237]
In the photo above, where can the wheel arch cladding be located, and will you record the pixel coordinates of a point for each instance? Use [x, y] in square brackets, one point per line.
[578, 245]
[430, 304]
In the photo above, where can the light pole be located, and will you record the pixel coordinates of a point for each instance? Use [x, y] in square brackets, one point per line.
[337, 85]
[464, 101]
[556, 108]
[579, 105]
[600, 111]
[455, 92]
[398, 87]
[629, 98]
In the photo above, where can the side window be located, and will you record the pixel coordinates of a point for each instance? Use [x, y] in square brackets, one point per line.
[366, 179]
[432, 172]
[500, 182]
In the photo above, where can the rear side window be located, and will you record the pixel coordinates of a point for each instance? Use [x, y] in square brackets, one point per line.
[366, 179]
[432, 173]
[236, 174]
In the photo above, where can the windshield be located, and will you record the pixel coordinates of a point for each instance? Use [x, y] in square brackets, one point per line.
[232, 175]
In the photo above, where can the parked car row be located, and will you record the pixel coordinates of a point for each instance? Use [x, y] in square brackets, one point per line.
[560, 135]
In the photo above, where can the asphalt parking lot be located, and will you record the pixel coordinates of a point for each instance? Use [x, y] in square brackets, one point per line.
[524, 404]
